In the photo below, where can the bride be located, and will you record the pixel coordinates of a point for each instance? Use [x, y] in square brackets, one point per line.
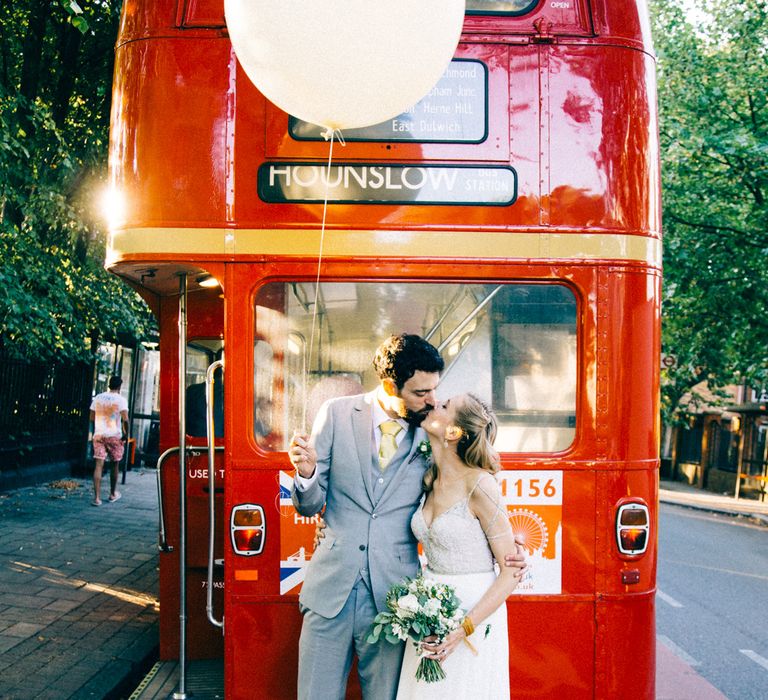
[463, 527]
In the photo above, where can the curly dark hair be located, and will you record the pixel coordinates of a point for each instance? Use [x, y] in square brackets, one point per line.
[399, 357]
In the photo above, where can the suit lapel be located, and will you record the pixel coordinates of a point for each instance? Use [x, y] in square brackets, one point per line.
[418, 436]
[362, 425]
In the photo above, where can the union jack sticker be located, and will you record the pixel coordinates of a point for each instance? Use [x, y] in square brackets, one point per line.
[296, 535]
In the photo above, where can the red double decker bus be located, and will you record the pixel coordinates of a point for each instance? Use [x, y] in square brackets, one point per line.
[512, 217]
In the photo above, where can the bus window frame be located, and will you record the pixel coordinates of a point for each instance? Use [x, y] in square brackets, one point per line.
[208, 15]
[580, 325]
[550, 18]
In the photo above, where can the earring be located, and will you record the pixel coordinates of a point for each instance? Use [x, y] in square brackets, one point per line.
[453, 433]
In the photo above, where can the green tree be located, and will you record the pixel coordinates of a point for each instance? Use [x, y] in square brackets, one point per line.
[56, 299]
[713, 75]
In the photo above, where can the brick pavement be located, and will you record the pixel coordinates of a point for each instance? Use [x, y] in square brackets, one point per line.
[78, 589]
[78, 586]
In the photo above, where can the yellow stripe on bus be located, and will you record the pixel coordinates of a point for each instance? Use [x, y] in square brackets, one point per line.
[376, 243]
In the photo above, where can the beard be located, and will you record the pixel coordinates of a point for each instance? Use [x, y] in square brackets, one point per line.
[416, 418]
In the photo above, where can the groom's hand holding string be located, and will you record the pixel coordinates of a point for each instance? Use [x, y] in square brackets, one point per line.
[302, 455]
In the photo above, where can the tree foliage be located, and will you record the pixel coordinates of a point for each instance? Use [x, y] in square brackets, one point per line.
[56, 299]
[713, 76]
[55, 78]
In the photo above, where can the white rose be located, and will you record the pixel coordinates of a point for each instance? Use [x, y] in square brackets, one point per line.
[408, 603]
[432, 607]
[399, 631]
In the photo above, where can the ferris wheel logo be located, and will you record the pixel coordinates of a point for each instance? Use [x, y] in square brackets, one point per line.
[530, 528]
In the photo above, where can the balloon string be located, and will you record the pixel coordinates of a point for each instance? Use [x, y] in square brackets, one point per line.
[328, 135]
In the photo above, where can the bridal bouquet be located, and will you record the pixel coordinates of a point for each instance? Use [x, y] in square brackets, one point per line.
[418, 608]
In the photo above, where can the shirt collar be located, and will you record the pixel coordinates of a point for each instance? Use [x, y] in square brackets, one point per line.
[380, 415]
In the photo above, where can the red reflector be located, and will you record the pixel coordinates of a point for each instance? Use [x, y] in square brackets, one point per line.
[247, 518]
[633, 516]
[632, 528]
[247, 528]
[248, 539]
[633, 539]
[630, 576]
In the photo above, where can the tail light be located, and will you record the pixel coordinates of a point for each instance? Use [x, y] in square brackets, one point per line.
[248, 529]
[632, 528]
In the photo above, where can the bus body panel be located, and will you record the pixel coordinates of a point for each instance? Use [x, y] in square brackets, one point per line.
[170, 101]
[571, 111]
[616, 22]
[210, 108]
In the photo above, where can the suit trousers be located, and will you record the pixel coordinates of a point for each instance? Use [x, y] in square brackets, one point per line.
[326, 647]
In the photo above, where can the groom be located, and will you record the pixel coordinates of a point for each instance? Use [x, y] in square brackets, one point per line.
[363, 465]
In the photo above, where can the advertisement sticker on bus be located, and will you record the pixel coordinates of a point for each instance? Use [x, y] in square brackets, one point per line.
[296, 536]
[534, 501]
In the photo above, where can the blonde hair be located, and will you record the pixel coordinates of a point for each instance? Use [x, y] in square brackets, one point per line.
[475, 446]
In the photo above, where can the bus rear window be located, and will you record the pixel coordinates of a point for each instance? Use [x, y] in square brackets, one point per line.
[499, 7]
[513, 345]
[210, 13]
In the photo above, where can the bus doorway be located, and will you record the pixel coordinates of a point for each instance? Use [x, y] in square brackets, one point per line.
[191, 340]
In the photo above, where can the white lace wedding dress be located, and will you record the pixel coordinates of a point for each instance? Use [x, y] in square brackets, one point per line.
[457, 553]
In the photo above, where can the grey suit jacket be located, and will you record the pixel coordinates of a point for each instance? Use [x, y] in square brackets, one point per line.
[359, 533]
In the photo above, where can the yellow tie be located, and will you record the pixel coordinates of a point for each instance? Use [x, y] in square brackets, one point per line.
[388, 445]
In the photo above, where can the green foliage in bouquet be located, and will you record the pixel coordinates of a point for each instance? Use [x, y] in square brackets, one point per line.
[416, 609]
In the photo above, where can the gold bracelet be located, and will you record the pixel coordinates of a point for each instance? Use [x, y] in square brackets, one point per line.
[467, 625]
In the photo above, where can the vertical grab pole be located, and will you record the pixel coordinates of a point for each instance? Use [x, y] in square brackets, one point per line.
[211, 433]
[181, 693]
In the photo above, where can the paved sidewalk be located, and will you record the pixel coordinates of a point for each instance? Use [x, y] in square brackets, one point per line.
[682, 494]
[78, 605]
[78, 583]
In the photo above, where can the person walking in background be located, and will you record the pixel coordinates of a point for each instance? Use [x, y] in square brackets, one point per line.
[109, 416]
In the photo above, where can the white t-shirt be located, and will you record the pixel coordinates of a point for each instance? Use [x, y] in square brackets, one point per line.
[107, 407]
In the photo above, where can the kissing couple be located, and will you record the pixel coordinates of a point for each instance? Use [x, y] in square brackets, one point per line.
[382, 493]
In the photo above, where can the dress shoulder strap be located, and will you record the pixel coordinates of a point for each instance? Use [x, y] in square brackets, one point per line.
[488, 521]
[477, 483]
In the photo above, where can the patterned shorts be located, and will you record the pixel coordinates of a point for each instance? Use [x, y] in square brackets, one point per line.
[103, 446]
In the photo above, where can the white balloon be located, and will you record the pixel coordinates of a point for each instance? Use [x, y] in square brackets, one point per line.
[343, 64]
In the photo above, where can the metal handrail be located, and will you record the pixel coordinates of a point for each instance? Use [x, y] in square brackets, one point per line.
[211, 432]
[462, 325]
[181, 693]
[466, 320]
[449, 307]
[162, 544]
